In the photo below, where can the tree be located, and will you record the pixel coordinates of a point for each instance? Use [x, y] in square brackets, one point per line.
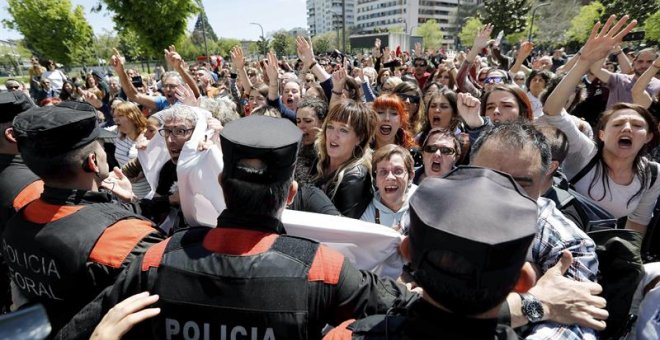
[469, 31]
[224, 45]
[283, 43]
[103, 45]
[506, 15]
[636, 9]
[431, 33]
[652, 27]
[324, 42]
[60, 32]
[555, 22]
[156, 23]
[202, 25]
[11, 57]
[130, 45]
[396, 29]
[582, 24]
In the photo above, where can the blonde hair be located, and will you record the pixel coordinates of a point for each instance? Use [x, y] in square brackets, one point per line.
[132, 112]
[363, 120]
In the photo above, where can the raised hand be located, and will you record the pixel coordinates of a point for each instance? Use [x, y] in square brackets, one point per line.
[387, 56]
[173, 58]
[376, 50]
[482, 38]
[185, 95]
[119, 185]
[525, 49]
[272, 68]
[469, 109]
[305, 50]
[117, 61]
[602, 41]
[339, 79]
[419, 52]
[237, 57]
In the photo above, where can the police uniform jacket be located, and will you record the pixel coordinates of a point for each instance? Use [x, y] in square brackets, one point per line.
[243, 279]
[67, 246]
[421, 320]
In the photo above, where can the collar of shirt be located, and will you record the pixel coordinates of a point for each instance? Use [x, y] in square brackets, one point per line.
[229, 219]
[59, 196]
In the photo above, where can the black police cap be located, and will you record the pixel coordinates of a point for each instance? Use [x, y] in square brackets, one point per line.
[481, 215]
[57, 129]
[12, 103]
[273, 141]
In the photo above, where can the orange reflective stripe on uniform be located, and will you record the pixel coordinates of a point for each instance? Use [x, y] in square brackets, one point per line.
[154, 255]
[41, 212]
[118, 240]
[326, 266]
[28, 194]
[238, 241]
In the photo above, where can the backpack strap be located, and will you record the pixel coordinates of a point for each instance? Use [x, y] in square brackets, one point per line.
[584, 170]
[654, 172]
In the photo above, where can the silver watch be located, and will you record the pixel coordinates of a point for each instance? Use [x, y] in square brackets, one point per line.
[532, 308]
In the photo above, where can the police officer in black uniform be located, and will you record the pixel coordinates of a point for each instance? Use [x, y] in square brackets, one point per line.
[18, 185]
[246, 278]
[467, 264]
[65, 247]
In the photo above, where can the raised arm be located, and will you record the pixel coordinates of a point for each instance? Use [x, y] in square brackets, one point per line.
[306, 54]
[597, 47]
[624, 62]
[272, 71]
[523, 52]
[132, 93]
[597, 69]
[639, 94]
[238, 59]
[176, 62]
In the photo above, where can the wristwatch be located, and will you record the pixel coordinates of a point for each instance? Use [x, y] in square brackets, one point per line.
[532, 308]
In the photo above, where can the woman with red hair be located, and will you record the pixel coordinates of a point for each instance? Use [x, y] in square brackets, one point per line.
[393, 124]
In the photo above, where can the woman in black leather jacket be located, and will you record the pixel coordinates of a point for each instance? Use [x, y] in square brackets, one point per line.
[343, 170]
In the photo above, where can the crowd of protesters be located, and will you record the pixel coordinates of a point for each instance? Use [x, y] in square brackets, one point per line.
[392, 138]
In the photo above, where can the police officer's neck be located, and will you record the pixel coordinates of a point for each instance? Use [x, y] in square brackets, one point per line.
[491, 314]
[85, 181]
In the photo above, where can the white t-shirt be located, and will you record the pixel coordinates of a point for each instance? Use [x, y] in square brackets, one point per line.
[56, 78]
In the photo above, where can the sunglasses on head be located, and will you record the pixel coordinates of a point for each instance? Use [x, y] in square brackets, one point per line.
[412, 99]
[443, 150]
[494, 80]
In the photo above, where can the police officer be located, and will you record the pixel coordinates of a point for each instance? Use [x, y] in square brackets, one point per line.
[246, 278]
[467, 264]
[63, 248]
[18, 185]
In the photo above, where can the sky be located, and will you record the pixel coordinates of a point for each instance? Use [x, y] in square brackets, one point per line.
[229, 18]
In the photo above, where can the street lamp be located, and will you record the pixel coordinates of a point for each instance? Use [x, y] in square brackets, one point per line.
[531, 25]
[263, 39]
[206, 48]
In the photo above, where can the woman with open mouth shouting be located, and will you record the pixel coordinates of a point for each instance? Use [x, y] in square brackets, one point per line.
[393, 172]
[393, 126]
[440, 152]
[614, 171]
[343, 170]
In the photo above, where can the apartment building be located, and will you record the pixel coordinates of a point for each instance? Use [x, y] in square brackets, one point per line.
[326, 15]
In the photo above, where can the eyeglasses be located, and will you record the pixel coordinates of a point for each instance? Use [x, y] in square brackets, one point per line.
[443, 150]
[494, 80]
[420, 65]
[178, 132]
[412, 99]
[13, 88]
[398, 172]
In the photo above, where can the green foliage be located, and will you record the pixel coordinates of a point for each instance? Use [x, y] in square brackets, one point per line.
[156, 23]
[555, 21]
[636, 9]
[324, 42]
[431, 33]
[283, 43]
[201, 26]
[130, 45]
[60, 32]
[223, 46]
[103, 45]
[11, 57]
[509, 16]
[469, 31]
[396, 29]
[582, 24]
[652, 27]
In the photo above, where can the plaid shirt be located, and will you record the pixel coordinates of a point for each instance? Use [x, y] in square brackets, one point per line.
[556, 233]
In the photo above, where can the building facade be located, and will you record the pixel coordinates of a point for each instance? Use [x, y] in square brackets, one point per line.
[380, 15]
[326, 15]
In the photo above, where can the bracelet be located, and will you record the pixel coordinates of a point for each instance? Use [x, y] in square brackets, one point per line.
[339, 93]
[312, 65]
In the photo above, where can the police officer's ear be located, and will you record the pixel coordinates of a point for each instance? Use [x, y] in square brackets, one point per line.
[9, 135]
[90, 164]
[526, 280]
[554, 165]
[293, 190]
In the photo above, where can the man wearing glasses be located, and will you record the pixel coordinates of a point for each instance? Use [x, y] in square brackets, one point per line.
[420, 71]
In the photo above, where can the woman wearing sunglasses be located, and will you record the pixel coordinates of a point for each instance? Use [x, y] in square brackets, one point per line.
[393, 172]
[411, 95]
[440, 152]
